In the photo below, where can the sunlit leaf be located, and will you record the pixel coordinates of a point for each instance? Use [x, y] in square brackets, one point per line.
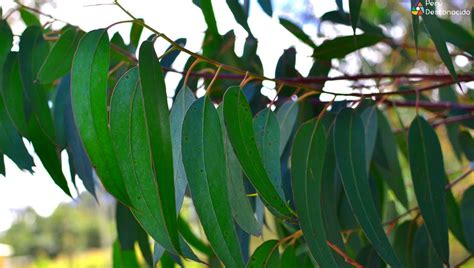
[204, 162]
[428, 175]
[238, 121]
[28, 18]
[349, 146]
[136, 33]
[89, 104]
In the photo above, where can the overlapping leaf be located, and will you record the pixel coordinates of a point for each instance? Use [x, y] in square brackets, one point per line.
[428, 175]
[341, 46]
[238, 121]
[204, 162]
[349, 146]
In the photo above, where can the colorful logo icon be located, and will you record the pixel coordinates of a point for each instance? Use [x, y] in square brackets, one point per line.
[418, 9]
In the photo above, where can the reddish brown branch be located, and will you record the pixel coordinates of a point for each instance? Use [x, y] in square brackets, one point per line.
[346, 257]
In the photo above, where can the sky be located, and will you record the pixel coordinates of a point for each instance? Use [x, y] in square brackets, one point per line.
[177, 18]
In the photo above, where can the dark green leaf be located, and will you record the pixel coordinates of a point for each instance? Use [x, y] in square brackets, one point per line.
[167, 60]
[349, 146]
[266, 255]
[209, 17]
[266, 5]
[286, 115]
[267, 137]
[136, 33]
[429, 179]
[126, 227]
[59, 59]
[192, 239]
[344, 18]
[415, 21]
[437, 34]
[369, 119]
[183, 100]
[297, 32]
[339, 47]
[128, 133]
[454, 218]
[155, 104]
[41, 131]
[204, 162]
[354, 11]
[288, 258]
[467, 215]
[28, 18]
[467, 144]
[423, 252]
[387, 164]
[89, 102]
[241, 208]
[307, 163]
[6, 41]
[457, 35]
[404, 235]
[238, 121]
[239, 14]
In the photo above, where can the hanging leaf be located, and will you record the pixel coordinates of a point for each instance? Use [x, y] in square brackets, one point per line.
[241, 208]
[339, 47]
[123, 258]
[89, 103]
[307, 164]
[183, 100]
[369, 119]
[467, 144]
[423, 252]
[266, 5]
[349, 146]
[267, 137]
[238, 121]
[58, 62]
[239, 14]
[386, 162]
[204, 162]
[128, 133]
[457, 35]
[436, 32]
[136, 33]
[297, 32]
[209, 17]
[427, 170]
[403, 241]
[454, 218]
[192, 239]
[167, 60]
[467, 215]
[448, 94]
[157, 124]
[286, 115]
[266, 255]
[288, 258]
[415, 21]
[354, 11]
[40, 126]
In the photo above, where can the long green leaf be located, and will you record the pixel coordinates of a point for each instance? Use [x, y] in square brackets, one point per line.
[467, 215]
[58, 62]
[339, 47]
[89, 103]
[41, 131]
[238, 121]
[286, 115]
[349, 146]
[239, 14]
[204, 162]
[209, 17]
[457, 35]
[266, 5]
[241, 207]
[155, 105]
[128, 132]
[297, 32]
[423, 252]
[354, 11]
[429, 178]
[123, 258]
[307, 163]
[182, 102]
[267, 137]
[369, 119]
[437, 36]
